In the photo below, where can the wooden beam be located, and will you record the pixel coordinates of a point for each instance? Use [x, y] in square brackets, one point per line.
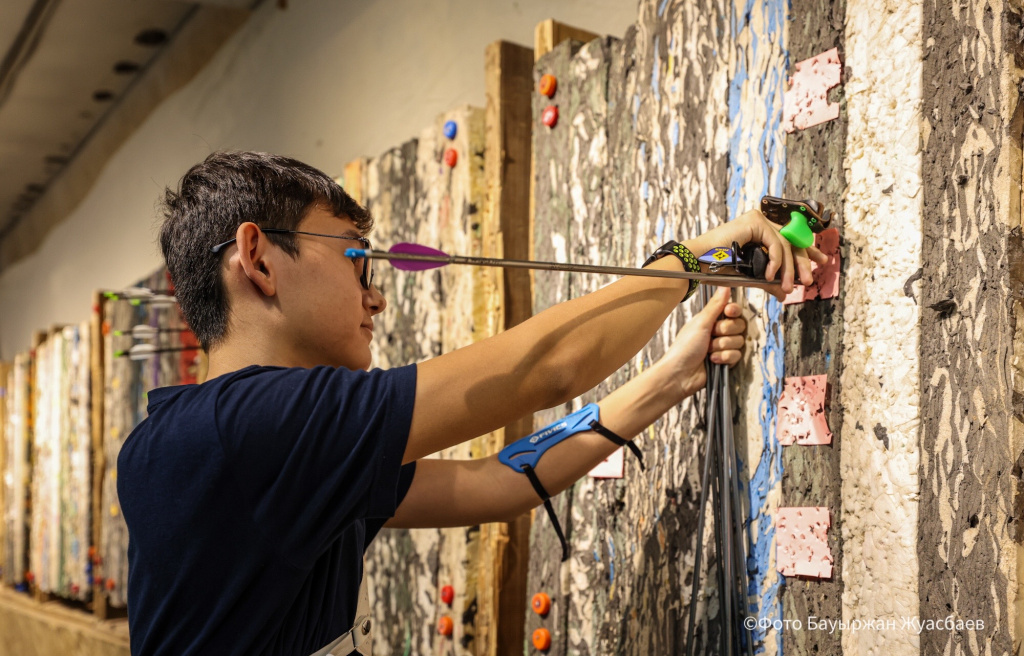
[550, 33]
[5, 369]
[508, 148]
[352, 179]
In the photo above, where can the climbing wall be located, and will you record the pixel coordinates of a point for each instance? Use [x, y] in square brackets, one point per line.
[17, 473]
[126, 385]
[429, 191]
[877, 415]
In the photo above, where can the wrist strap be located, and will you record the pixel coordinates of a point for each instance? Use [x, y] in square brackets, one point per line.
[629, 444]
[689, 260]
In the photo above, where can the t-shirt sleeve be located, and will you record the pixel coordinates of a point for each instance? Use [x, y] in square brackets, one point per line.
[313, 450]
[375, 524]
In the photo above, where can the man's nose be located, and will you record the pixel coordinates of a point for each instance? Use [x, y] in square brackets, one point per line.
[375, 301]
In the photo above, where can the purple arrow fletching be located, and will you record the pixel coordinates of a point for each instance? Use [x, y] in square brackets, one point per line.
[406, 248]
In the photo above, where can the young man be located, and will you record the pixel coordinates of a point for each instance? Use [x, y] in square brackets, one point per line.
[251, 498]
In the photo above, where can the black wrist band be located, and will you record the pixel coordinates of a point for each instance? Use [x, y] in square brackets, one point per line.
[688, 259]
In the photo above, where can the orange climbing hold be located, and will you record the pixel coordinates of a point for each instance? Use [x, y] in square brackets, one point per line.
[541, 603]
[548, 84]
[445, 625]
[542, 639]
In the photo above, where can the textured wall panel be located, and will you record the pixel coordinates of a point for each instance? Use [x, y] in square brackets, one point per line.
[971, 133]
[402, 565]
[757, 166]
[126, 387]
[416, 197]
[551, 243]
[17, 473]
[75, 471]
[813, 333]
[641, 161]
[45, 536]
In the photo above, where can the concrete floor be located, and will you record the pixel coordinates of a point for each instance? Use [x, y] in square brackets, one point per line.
[31, 628]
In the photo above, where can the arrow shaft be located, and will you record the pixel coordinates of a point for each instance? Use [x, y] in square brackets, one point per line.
[566, 266]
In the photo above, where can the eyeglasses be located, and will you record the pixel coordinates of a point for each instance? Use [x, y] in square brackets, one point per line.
[366, 278]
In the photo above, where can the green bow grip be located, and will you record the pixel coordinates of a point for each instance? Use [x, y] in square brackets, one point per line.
[801, 220]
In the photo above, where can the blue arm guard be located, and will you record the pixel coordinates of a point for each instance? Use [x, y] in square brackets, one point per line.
[523, 455]
[528, 450]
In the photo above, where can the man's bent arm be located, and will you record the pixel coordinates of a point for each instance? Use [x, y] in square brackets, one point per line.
[467, 492]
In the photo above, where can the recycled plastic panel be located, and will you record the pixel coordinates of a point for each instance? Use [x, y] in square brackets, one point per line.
[5, 385]
[921, 343]
[415, 196]
[17, 471]
[970, 381]
[75, 442]
[61, 450]
[45, 537]
[126, 386]
[551, 242]
[645, 155]
[813, 328]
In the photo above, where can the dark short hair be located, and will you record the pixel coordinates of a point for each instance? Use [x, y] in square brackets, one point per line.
[221, 193]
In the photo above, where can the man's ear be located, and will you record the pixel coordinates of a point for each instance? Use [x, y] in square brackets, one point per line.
[253, 255]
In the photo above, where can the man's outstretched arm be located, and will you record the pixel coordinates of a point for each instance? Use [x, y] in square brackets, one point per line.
[569, 348]
[467, 492]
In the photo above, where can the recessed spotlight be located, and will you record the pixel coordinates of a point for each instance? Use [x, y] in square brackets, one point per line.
[102, 95]
[151, 37]
[126, 68]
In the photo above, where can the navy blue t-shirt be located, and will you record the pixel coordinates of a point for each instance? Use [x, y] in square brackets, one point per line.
[249, 501]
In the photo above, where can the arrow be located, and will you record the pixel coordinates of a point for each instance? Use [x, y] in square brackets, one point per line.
[142, 331]
[415, 257]
[146, 351]
[141, 295]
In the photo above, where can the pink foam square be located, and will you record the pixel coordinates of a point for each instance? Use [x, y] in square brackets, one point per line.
[610, 467]
[826, 276]
[806, 101]
[802, 412]
[802, 542]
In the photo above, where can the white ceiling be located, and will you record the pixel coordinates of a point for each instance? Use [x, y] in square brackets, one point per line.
[52, 98]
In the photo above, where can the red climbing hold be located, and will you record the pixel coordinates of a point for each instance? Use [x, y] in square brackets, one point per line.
[549, 116]
[451, 157]
[447, 595]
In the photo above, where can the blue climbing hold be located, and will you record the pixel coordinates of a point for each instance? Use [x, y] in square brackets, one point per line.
[450, 129]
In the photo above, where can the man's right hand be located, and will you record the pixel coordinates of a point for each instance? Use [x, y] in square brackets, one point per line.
[786, 262]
